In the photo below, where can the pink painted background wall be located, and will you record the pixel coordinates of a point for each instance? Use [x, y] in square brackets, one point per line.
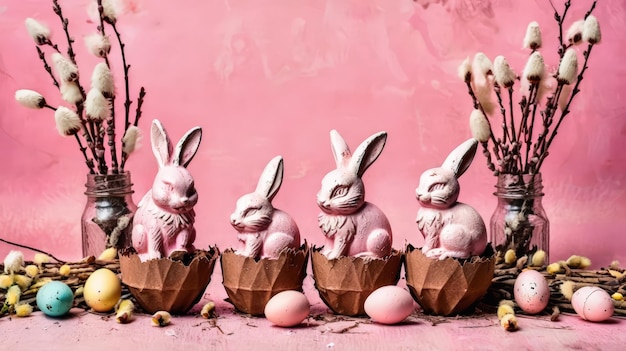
[273, 77]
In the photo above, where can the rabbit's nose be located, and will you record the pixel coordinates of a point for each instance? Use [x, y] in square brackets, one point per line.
[233, 219]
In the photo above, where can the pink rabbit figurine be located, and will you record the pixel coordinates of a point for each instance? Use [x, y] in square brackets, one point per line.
[352, 226]
[164, 220]
[450, 228]
[264, 231]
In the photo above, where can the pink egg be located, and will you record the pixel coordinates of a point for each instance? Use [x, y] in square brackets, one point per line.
[531, 291]
[593, 304]
[287, 308]
[389, 304]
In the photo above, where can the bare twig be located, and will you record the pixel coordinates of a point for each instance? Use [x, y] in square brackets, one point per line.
[32, 249]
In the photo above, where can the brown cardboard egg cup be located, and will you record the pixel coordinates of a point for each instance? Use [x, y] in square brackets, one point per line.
[251, 283]
[345, 283]
[450, 286]
[166, 284]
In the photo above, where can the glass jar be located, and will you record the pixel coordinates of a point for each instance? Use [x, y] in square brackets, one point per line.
[108, 215]
[519, 221]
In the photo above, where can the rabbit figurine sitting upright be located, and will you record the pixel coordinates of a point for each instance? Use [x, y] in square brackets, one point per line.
[163, 223]
[264, 231]
[352, 226]
[450, 228]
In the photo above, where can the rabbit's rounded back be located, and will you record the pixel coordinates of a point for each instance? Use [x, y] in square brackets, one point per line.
[165, 217]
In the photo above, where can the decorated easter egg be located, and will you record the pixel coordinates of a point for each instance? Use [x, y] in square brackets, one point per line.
[389, 304]
[102, 290]
[531, 291]
[593, 304]
[55, 299]
[287, 308]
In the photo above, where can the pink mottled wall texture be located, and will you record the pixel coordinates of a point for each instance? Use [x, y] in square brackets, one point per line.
[273, 77]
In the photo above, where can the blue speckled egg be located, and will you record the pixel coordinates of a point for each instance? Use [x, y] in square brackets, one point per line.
[55, 299]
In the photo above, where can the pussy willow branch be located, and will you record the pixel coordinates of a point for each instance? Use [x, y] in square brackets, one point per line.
[566, 110]
[127, 102]
[82, 148]
[47, 67]
[560, 18]
[110, 130]
[142, 94]
[485, 144]
[32, 249]
[505, 129]
[65, 22]
[94, 141]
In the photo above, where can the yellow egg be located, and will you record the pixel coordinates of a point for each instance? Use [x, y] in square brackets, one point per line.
[102, 290]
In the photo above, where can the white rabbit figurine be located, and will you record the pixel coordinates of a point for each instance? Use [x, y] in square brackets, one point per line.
[164, 220]
[352, 226]
[264, 231]
[450, 228]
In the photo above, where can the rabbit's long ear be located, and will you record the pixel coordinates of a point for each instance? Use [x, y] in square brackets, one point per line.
[341, 151]
[368, 152]
[461, 157]
[271, 178]
[161, 145]
[187, 147]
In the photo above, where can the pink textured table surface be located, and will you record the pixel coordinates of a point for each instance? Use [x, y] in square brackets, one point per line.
[82, 330]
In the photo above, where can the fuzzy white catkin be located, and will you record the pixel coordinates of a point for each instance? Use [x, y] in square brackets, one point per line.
[30, 98]
[70, 92]
[535, 67]
[98, 44]
[481, 64]
[479, 126]
[532, 39]
[109, 14]
[130, 141]
[37, 31]
[568, 69]
[102, 79]
[575, 32]
[465, 70]
[97, 107]
[591, 30]
[67, 121]
[504, 75]
[66, 70]
[13, 261]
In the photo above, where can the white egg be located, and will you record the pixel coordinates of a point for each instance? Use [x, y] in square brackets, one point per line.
[389, 304]
[593, 304]
[287, 309]
[531, 291]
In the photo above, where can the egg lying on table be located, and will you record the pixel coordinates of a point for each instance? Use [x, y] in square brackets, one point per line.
[287, 308]
[593, 304]
[55, 299]
[389, 304]
[531, 291]
[102, 290]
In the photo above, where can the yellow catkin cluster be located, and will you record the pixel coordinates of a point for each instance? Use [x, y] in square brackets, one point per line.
[208, 310]
[538, 259]
[161, 319]
[124, 311]
[506, 315]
